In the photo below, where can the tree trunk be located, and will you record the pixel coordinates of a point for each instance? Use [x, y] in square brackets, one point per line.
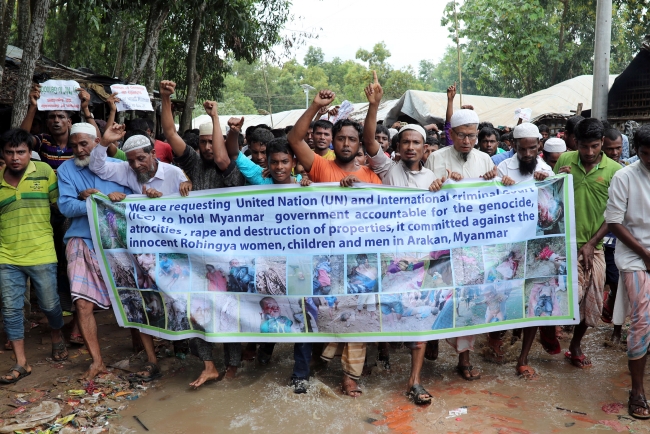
[5, 28]
[150, 72]
[121, 53]
[157, 15]
[23, 22]
[68, 35]
[31, 53]
[556, 64]
[193, 77]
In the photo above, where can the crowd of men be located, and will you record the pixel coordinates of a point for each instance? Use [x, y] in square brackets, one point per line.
[47, 176]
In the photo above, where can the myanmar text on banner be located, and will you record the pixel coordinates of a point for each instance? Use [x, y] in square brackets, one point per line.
[327, 263]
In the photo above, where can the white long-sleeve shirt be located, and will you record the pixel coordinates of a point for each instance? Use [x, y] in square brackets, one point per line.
[510, 167]
[167, 179]
[478, 163]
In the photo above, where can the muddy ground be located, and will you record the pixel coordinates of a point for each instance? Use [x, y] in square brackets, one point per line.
[259, 398]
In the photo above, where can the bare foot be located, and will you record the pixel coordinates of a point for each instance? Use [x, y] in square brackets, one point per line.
[351, 387]
[231, 371]
[208, 374]
[93, 370]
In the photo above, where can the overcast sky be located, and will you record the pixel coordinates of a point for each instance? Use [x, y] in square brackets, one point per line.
[410, 28]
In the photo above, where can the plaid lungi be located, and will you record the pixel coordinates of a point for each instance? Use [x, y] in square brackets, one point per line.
[85, 276]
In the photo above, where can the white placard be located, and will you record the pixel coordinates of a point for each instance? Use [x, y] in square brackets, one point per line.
[59, 95]
[132, 97]
[524, 114]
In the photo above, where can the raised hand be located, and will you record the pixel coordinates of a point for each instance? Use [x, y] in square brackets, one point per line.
[211, 108]
[324, 98]
[374, 91]
[34, 94]
[236, 124]
[167, 88]
[84, 96]
[111, 100]
[113, 133]
[451, 91]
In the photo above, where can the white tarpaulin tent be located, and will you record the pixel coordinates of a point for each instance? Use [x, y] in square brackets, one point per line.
[430, 107]
[556, 100]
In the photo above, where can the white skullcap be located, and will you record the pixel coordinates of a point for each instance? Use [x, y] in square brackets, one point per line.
[416, 128]
[136, 142]
[84, 128]
[555, 144]
[463, 117]
[526, 130]
[205, 129]
[392, 132]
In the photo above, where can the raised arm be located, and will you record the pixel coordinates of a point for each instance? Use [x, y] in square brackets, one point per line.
[451, 94]
[374, 93]
[232, 138]
[167, 88]
[296, 136]
[34, 95]
[84, 97]
[106, 170]
[221, 158]
[112, 109]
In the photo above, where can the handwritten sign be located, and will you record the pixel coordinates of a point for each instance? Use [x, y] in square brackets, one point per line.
[132, 97]
[59, 95]
[524, 114]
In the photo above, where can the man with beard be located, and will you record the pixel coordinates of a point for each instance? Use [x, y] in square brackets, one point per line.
[206, 170]
[344, 169]
[526, 163]
[141, 173]
[592, 172]
[76, 184]
[461, 160]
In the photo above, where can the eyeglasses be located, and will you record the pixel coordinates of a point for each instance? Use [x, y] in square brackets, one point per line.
[462, 136]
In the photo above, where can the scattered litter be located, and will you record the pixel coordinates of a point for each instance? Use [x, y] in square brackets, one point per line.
[140, 422]
[569, 424]
[76, 392]
[614, 424]
[457, 412]
[63, 379]
[613, 408]
[132, 397]
[571, 411]
[45, 412]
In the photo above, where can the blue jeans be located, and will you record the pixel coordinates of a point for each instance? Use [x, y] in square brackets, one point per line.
[301, 359]
[13, 283]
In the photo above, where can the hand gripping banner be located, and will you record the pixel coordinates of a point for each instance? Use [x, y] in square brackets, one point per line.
[325, 263]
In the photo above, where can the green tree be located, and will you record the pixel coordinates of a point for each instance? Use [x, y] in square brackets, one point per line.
[314, 56]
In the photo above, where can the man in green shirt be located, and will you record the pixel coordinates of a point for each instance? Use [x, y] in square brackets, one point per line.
[592, 172]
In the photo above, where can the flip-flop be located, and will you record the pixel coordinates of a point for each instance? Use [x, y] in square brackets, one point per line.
[76, 339]
[22, 373]
[638, 402]
[607, 314]
[551, 346]
[416, 391]
[152, 369]
[578, 359]
[527, 372]
[469, 377]
[431, 351]
[59, 351]
[496, 345]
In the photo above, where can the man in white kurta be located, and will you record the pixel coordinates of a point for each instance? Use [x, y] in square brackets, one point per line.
[520, 167]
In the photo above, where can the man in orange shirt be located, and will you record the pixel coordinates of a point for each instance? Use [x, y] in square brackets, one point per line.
[345, 169]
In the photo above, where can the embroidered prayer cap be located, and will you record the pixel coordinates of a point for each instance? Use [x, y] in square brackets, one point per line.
[555, 145]
[84, 128]
[416, 128]
[526, 130]
[136, 142]
[464, 117]
[205, 129]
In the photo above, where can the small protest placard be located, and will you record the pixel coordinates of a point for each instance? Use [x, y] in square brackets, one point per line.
[524, 114]
[59, 95]
[132, 97]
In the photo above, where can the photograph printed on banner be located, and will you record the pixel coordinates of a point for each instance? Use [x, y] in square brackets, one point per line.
[299, 280]
[546, 257]
[491, 303]
[174, 272]
[347, 313]
[504, 261]
[271, 276]
[468, 265]
[402, 272]
[546, 296]
[112, 224]
[439, 273]
[362, 274]
[132, 304]
[409, 311]
[154, 308]
[327, 275]
[214, 313]
[266, 314]
[122, 269]
[145, 270]
[550, 205]
[225, 273]
[176, 307]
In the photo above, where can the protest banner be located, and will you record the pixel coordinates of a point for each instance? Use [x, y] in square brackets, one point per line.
[59, 95]
[132, 97]
[325, 263]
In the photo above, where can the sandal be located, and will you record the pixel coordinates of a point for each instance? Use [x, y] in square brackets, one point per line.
[22, 373]
[527, 372]
[152, 369]
[637, 402]
[581, 362]
[431, 351]
[550, 344]
[466, 372]
[415, 394]
[59, 351]
[497, 350]
[76, 339]
[607, 314]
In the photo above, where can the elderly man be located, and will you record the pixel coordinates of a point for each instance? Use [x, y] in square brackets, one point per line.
[76, 184]
[27, 190]
[553, 148]
[592, 172]
[627, 213]
[142, 173]
[526, 164]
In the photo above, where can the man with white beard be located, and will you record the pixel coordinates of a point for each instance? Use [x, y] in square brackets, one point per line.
[76, 184]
